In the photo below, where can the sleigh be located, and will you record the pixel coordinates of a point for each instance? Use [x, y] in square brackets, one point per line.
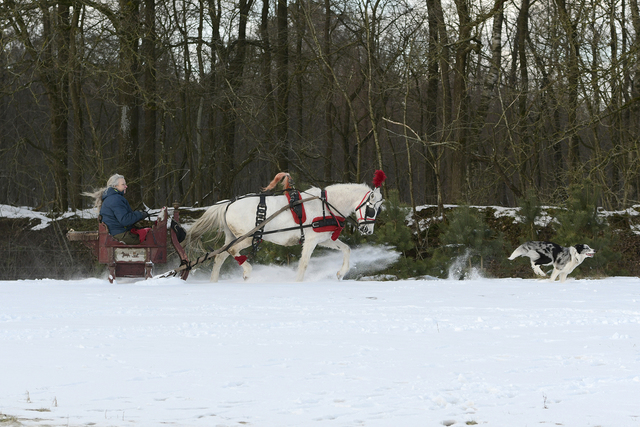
[124, 260]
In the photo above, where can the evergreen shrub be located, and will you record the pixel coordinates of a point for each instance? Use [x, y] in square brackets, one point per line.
[467, 243]
[392, 230]
[579, 222]
[530, 210]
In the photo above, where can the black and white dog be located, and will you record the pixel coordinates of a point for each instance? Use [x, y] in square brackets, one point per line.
[564, 260]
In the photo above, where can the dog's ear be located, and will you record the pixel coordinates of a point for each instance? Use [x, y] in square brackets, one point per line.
[573, 251]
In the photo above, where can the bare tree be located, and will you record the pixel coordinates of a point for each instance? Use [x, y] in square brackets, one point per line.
[569, 25]
[281, 148]
[148, 152]
[48, 47]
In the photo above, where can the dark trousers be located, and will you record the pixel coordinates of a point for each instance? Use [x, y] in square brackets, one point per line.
[128, 237]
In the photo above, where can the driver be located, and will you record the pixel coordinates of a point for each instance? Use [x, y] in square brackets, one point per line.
[115, 211]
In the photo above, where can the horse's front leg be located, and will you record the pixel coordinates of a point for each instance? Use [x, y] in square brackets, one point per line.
[307, 249]
[346, 252]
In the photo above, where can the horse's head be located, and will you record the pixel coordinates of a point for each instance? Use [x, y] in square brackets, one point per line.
[368, 210]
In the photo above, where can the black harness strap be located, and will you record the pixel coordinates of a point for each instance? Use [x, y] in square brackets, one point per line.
[323, 197]
[325, 222]
[261, 215]
[333, 220]
[328, 222]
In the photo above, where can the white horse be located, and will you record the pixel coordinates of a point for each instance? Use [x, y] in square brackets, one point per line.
[323, 221]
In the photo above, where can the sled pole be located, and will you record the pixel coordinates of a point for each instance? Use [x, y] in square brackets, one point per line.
[190, 264]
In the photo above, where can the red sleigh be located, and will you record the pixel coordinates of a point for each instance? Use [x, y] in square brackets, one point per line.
[124, 260]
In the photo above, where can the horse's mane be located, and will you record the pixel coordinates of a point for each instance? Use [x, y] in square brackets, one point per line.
[282, 176]
[348, 185]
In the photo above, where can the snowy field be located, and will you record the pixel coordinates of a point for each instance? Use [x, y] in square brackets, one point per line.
[270, 352]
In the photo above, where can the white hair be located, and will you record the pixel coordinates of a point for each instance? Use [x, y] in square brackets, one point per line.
[97, 194]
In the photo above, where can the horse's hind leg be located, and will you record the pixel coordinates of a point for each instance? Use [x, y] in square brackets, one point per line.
[346, 252]
[218, 260]
[235, 252]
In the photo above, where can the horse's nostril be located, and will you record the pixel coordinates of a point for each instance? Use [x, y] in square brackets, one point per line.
[365, 230]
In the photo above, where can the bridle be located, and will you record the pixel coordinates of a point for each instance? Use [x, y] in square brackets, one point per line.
[370, 212]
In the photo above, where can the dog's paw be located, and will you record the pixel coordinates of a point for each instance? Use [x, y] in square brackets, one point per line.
[540, 272]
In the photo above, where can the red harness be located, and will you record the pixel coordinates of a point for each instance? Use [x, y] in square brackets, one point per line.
[320, 224]
[298, 209]
[329, 223]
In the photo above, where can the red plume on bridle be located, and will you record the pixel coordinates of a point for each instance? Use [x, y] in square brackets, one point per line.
[379, 178]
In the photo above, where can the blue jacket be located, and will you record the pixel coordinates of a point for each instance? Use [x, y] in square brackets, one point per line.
[117, 213]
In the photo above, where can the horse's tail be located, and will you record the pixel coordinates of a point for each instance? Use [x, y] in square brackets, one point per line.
[282, 176]
[213, 220]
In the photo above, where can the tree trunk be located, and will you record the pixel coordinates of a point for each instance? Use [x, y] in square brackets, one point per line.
[282, 76]
[229, 118]
[75, 89]
[371, 22]
[434, 154]
[459, 165]
[519, 62]
[634, 111]
[128, 156]
[267, 83]
[573, 78]
[441, 155]
[148, 152]
[328, 106]
[60, 106]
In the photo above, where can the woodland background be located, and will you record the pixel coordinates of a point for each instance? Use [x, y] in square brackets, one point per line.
[475, 102]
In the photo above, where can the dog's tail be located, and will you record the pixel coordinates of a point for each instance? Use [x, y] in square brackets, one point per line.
[518, 252]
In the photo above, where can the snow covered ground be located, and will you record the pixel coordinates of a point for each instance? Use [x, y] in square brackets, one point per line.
[272, 352]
